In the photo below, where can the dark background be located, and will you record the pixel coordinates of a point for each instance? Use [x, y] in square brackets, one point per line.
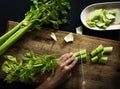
[15, 9]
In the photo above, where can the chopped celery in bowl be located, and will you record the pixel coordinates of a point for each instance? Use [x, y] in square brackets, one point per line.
[102, 16]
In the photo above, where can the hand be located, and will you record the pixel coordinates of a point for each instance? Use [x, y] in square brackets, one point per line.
[65, 64]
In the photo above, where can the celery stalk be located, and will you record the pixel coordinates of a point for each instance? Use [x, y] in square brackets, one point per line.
[108, 49]
[11, 32]
[14, 38]
[97, 50]
[93, 52]
[100, 54]
[41, 13]
[82, 52]
[94, 59]
[103, 60]
[83, 57]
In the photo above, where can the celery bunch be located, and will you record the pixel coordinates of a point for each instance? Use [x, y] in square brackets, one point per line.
[41, 13]
[29, 65]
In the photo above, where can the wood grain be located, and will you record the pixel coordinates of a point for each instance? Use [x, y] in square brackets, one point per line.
[97, 76]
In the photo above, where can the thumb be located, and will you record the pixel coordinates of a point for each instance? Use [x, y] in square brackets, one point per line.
[83, 85]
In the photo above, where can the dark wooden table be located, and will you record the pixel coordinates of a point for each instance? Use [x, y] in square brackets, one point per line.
[97, 76]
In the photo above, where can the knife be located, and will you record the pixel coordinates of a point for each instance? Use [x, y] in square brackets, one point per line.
[82, 70]
[82, 67]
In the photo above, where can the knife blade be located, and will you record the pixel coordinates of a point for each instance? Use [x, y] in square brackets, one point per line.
[82, 67]
[82, 70]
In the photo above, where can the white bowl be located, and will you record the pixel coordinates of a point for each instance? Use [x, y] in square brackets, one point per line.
[89, 10]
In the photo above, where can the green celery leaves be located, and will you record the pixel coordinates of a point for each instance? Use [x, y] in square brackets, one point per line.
[29, 65]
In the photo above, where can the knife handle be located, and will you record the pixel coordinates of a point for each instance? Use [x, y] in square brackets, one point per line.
[83, 85]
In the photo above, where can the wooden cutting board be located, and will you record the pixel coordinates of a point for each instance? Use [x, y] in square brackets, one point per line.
[97, 76]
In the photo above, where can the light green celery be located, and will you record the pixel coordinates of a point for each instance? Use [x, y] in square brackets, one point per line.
[103, 60]
[99, 48]
[108, 49]
[82, 52]
[93, 52]
[101, 18]
[42, 13]
[26, 70]
[100, 54]
[83, 57]
[94, 59]
[11, 32]
[9, 42]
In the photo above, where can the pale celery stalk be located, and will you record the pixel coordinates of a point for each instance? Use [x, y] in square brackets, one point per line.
[9, 42]
[100, 54]
[83, 57]
[11, 32]
[103, 60]
[94, 59]
[108, 49]
[97, 50]
[93, 52]
[82, 52]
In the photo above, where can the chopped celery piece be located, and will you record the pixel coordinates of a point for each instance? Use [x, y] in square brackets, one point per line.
[108, 49]
[113, 12]
[110, 16]
[93, 53]
[82, 52]
[100, 54]
[103, 60]
[90, 23]
[94, 59]
[107, 21]
[100, 24]
[99, 48]
[97, 14]
[83, 57]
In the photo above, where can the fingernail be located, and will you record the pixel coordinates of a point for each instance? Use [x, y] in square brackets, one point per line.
[76, 58]
[71, 53]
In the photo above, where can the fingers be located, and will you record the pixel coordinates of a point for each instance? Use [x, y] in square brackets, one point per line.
[63, 70]
[67, 61]
[72, 64]
[64, 57]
